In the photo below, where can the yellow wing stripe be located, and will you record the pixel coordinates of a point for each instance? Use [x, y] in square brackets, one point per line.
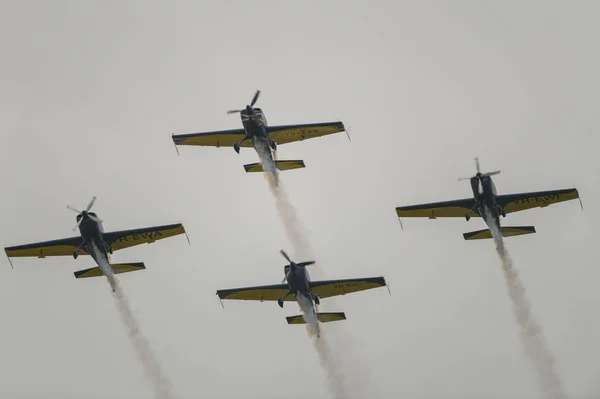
[540, 201]
[117, 268]
[346, 287]
[147, 237]
[281, 165]
[42, 252]
[300, 133]
[434, 213]
[215, 140]
[323, 318]
[267, 294]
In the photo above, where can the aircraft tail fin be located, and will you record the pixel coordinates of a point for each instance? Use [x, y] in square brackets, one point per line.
[281, 165]
[506, 232]
[323, 318]
[117, 269]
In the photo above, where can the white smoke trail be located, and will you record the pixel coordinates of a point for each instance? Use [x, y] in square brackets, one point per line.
[162, 387]
[298, 237]
[530, 332]
[335, 378]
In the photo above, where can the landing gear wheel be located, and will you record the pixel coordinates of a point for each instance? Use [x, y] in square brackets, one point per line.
[75, 255]
[236, 147]
[273, 145]
[317, 300]
[467, 216]
[280, 302]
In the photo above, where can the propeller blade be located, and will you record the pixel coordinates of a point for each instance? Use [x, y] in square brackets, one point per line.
[477, 164]
[465, 178]
[73, 209]
[91, 204]
[303, 264]
[286, 256]
[491, 173]
[286, 276]
[234, 111]
[255, 98]
[77, 225]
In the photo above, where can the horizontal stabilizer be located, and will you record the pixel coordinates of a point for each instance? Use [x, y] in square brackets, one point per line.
[117, 269]
[506, 232]
[323, 318]
[281, 165]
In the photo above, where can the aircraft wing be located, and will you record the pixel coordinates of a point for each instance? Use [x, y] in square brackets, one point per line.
[259, 293]
[289, 133]
[221, 138]
[129, 238]
[329, 288]
[434, 210]
[520, 202]
[62, 247]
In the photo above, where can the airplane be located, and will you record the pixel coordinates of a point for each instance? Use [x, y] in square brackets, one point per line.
[258, 134]
[97, 243]
[307, 293]
[488, 204]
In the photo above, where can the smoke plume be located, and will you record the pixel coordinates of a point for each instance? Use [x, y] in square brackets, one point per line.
[530, 332]
[161, 385]
[298, 237]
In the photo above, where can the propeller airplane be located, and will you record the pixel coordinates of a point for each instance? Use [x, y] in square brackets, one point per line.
[486, 203]
[95, 242]
[264, 138]
[307, 293]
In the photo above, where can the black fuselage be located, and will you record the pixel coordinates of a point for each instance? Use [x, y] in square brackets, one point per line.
[92, 234]
[484, 192]
[256, 127]
[255, 123]
[299, 281]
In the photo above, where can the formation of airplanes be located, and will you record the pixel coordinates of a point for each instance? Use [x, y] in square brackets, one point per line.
[296, 284]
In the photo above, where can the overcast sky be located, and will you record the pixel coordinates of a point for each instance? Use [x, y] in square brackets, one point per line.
[90, 93]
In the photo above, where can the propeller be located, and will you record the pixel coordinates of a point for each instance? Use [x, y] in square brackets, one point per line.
[84, 213]
[294, 264]
[479, 175]
[249, 107]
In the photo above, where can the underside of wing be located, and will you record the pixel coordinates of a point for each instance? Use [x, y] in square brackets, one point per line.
[259, 293]
[62, 247]
[129, 238]
[289, 133]
[520, 202]
[329, 288]
[434, 210]
[223, 138]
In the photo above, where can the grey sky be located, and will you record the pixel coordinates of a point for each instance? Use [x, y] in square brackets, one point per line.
[92, 91]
